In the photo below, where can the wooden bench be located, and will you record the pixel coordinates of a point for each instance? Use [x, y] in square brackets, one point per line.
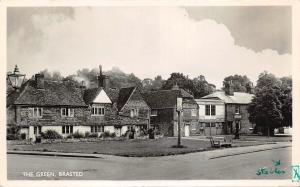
[217, 142]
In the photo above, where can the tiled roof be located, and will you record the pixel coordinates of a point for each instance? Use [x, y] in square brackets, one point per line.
[54, 94]
[124, 95]
[91, 94]
[237, 98]
[165, 98]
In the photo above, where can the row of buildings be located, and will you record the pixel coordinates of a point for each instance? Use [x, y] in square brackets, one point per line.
[39, 105]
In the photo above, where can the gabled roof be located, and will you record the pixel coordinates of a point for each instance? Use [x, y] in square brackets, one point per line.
[237, 98]
[90, 94]
[54, 94]
[165, 98]
[124, 95]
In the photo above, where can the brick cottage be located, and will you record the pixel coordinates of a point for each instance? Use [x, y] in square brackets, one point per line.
[40, 105]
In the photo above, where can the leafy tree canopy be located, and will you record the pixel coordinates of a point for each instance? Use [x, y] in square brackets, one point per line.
[271, 106]
[239, 82]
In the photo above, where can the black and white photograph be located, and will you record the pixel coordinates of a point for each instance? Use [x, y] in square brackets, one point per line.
[149, 93]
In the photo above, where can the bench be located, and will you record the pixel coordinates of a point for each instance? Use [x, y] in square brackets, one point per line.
[218, 142]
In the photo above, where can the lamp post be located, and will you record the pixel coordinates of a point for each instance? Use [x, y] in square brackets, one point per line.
[16, 78]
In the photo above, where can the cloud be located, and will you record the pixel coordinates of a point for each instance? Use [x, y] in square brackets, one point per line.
[147, 41]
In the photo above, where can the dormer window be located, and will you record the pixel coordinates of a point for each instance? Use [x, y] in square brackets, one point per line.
[67, 112]
[134, 112]
[98, 111]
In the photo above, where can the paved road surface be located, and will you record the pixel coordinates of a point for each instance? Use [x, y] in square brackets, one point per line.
[189, 166]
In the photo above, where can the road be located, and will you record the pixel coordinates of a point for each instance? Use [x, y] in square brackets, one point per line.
[194, 166]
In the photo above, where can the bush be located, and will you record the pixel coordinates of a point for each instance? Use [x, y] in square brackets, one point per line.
[12, 137]
[87, 134]
[38, 139]
[78, 135]
[107, 134]
[70, 136]
[93, 135]
[23, 136]
[113, 135]
[51, 134]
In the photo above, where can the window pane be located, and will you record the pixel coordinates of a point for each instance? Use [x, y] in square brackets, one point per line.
[34, 130]
[71, 129]
[207, 110]
[67, 129]
[63, 130]
[213, 125]
[213, 110]
[207, 125]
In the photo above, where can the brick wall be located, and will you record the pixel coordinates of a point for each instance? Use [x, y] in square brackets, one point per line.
[136, 101]
[244, 121]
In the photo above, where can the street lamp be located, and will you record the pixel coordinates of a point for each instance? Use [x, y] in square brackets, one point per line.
[16, 79]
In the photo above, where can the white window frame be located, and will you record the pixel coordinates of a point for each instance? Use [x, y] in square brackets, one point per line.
[237, 110]
[68, 112]
[134, 112]
[153, 112]
[194, 112]
[210, 110]
[66, 129]
[98, 111]
[97, 129]
[36, 112]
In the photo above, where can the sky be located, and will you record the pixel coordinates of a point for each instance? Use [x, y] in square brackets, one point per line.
[212, 41]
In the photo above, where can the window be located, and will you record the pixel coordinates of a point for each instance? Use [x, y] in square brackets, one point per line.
[213, 110]
[207, 124]
[67, 129]
[37, 130]
[67, 112]
[98, 111]
[153, 112]
[95, 129]
[35, 112]
[237, 110]
[212, 125]
[210, 110]
[134, 112]
[193, 112]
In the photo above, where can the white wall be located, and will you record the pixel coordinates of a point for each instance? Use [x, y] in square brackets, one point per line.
[123, 130]
[220, 112]
[110, 129]
[82, 129]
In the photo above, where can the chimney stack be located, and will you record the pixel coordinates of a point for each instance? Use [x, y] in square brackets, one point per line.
[40, 81]
[249, 87]
[175, 87]
[103, 80]
[228, 88]
[82, 86]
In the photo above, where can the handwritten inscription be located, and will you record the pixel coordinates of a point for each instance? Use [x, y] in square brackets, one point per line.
[275, 170]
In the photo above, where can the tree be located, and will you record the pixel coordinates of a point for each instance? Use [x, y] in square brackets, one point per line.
[198, 87]
[202, 87]
[239, 82]
[271, 106]
[182, 81]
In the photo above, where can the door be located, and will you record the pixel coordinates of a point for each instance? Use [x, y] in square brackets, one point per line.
[187, 130]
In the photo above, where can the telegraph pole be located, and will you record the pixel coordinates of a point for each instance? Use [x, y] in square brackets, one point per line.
[179, 111]
[179, 129]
